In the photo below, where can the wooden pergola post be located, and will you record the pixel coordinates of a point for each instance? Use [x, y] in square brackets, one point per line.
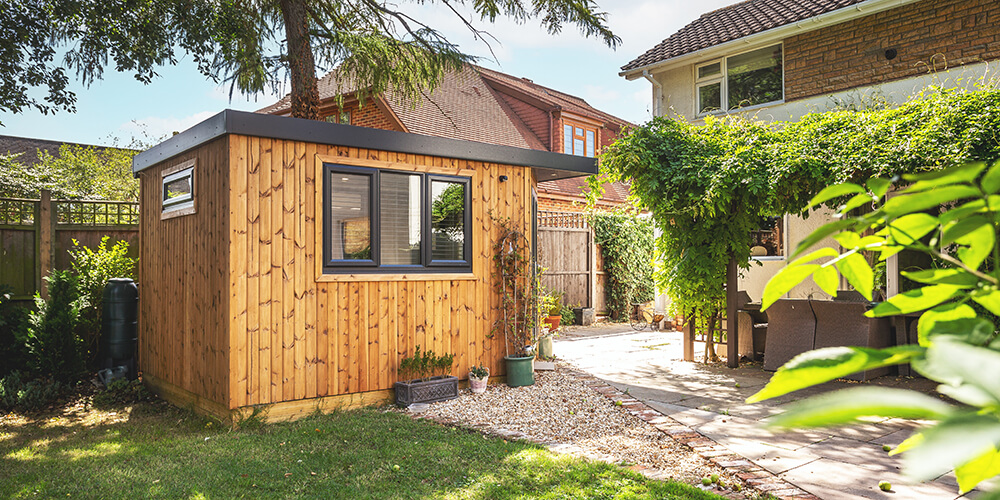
[732, 332]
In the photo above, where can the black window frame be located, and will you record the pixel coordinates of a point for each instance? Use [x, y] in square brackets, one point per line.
[374, 265]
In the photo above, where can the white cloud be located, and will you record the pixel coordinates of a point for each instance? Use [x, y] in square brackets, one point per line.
[154, 129]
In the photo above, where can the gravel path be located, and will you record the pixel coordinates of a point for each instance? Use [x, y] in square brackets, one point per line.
[563, 413]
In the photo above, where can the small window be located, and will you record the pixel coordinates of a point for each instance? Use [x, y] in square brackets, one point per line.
[768, 238]
[178, 189]
[382, 221]
[343, 118]
[579, 140]
[744, 80]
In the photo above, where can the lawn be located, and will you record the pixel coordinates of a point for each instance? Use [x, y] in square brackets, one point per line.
[155, 450]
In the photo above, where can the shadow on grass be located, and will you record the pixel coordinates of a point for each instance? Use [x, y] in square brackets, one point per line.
[160, 451]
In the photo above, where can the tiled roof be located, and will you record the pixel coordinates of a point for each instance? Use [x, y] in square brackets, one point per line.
[734, 22]
[615, 192]
[29, 148]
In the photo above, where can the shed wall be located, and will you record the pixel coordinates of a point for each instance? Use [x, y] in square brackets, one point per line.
[296, 335]
[183, 261]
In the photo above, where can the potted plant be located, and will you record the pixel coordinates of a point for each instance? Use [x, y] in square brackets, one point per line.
[516, 281]
[553, 311]
[478, 378]
[427, 379]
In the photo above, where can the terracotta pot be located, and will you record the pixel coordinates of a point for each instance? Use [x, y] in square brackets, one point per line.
[478, 385]
[553, 322]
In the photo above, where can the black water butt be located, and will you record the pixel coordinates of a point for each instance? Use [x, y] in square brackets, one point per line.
[119, 325]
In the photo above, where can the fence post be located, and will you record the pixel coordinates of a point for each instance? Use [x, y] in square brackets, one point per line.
[732, 326]
[45, 225]
[688, 332]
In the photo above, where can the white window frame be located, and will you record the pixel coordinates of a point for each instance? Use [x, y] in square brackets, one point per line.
[785, 219]
[181, 205]
[723, 77]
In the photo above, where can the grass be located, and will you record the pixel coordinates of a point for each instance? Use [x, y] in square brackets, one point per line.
[155, 450]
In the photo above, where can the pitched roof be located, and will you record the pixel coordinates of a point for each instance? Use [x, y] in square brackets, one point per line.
[614, 192]
[734, 22]
[28, 148]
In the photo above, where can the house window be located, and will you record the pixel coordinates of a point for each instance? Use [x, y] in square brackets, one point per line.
[343, 118]
[579, 140]
[744, 80]
[178, 190]
[384, 221]
[769, 239]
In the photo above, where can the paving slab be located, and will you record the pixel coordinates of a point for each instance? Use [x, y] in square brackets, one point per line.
[834, 480]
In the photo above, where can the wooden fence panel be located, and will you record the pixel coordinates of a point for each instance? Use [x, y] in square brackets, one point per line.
[571, 259]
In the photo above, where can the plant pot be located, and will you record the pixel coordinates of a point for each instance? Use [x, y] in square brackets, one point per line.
[478, 385]
[553, 321]
[520, 372]
[545, 346]
[427, 390]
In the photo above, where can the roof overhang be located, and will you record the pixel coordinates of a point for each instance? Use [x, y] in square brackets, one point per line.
[772, 35]
[548, 166]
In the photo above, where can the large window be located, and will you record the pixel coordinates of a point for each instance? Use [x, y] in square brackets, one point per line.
[579, 139]
[392, 221]
[740, 81]
[177, 190]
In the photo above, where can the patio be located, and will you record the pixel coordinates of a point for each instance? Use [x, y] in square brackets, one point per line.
[830, 463]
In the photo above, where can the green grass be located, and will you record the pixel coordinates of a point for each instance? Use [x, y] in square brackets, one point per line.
[155, 450]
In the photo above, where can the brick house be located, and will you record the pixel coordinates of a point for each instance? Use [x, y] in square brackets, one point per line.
[781, 59]
[483, 105]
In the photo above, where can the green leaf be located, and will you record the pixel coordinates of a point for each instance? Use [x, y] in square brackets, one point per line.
[878, 186]
[836, 191]
[914, 300]
[848, 405]
[962, 227]
[848, 239]
[859, 274]
[917, 202]
[955, 319]
[960, 363]
[856, 201]
[968, 394]
[951, 443]
[991, 181]
[815, 254]
[785, 280]
[823, 365]
[990, 299]
[824, 231]
[980, 244]
[827, 279]
[953, 175]
[909, 228]
[908, 444]
[957, 277]
[977, 470]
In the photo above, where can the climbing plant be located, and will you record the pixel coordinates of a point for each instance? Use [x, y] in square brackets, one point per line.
[626, 241]
[708, 186]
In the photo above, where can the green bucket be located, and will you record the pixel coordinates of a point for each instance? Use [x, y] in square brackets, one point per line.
[520, 371]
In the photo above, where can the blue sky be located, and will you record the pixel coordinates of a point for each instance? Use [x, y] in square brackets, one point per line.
[118, 107]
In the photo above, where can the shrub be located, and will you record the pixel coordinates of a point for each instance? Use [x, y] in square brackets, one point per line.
[122, 392]
[54, 348]
[424, 364]
[17, 395]
[13, 326]
[93, 269]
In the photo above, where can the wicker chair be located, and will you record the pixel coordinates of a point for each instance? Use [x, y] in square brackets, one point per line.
[791, 330]
[843, 323]
[752, 325]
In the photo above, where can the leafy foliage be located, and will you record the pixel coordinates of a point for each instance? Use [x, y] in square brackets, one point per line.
[626, 241]
[424, 364]
[54, 348]
[480, 372]
[13, 330]
[93, 269]
[708, 186]
[957, 347]
[77, 172]
[18, 395]
[121, 392]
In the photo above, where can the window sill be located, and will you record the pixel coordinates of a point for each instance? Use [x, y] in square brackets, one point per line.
[348, 278]
[740, 110]
[769, 258]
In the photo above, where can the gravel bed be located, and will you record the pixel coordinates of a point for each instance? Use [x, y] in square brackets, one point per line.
[561, 410]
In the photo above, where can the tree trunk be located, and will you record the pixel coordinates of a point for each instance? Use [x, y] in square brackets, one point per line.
[305, 93]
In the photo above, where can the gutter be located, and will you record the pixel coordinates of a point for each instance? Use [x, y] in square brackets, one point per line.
[831, 18]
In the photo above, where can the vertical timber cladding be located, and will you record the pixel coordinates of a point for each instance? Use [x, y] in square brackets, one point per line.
[297, 333]
[184, 292]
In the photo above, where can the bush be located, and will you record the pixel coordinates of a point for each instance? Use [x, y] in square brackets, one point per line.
[16, 395]
[122, 392]
[13, 326]
[54, 348]
[93, 269]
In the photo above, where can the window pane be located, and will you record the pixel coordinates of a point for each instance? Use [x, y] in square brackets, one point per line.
[578, 147]
[568, 139]
[399, 219]
[447, 220]
[177, 189]
[579, 132]
[710, 97]
[350, 217]
[755, 77]
[710, 70]
[590, 143]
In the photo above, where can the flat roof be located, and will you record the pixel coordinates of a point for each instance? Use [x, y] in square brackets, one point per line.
[548, 166]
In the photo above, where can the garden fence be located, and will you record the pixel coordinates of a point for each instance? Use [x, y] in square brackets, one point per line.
[571, 259]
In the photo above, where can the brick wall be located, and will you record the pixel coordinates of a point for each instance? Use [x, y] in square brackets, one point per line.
[945, 33]
[554, 205]
[370, 115]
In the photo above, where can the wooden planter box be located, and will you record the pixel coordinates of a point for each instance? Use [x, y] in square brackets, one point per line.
[428, 390]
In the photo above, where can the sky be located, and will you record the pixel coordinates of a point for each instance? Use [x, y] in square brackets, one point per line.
[119, 108]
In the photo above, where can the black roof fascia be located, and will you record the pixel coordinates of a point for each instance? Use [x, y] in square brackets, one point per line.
[549, 166]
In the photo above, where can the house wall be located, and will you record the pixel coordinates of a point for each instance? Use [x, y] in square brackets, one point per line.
[184, 291]
[926, 35]
[370, 115]
[298, 334]
[536, 119]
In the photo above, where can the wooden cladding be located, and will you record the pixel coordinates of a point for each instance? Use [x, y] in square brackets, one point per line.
[287, 331]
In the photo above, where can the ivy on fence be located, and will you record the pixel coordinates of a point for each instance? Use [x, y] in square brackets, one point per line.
[626, 241]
